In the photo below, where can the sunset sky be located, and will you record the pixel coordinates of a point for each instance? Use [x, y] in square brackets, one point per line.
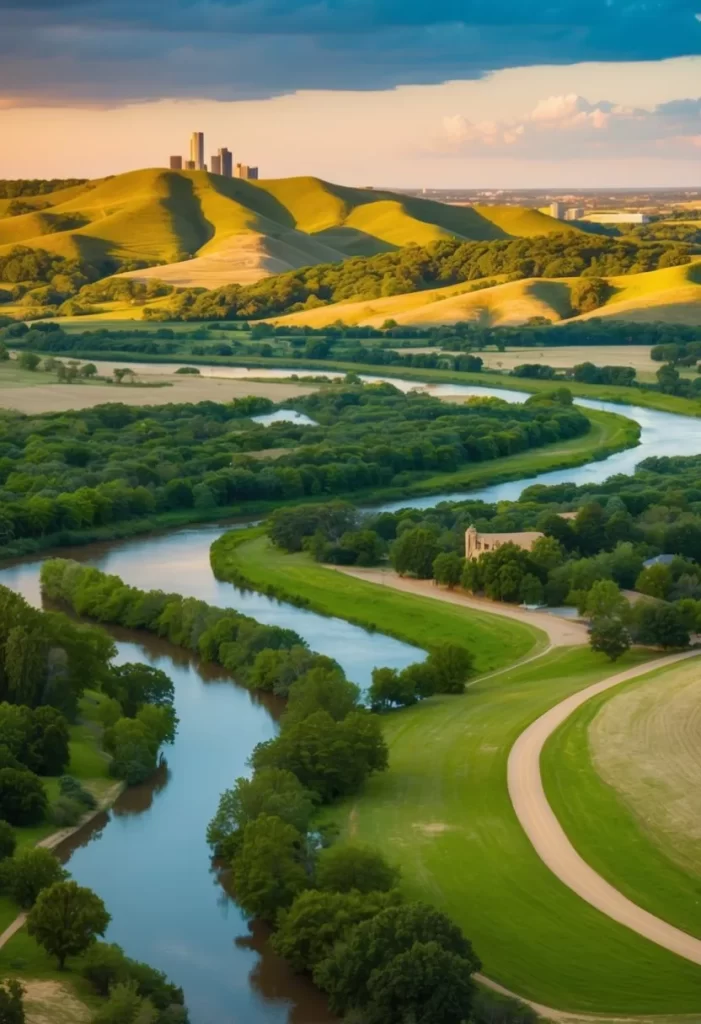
[386, 92]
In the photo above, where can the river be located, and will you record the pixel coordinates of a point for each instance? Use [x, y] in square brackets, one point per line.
[148, 858]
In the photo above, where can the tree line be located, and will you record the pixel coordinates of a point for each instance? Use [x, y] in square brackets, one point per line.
[11, 188]
[415, 268]
[64, 475]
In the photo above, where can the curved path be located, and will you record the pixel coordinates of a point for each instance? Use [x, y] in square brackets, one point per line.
[560, 632]
[549, 839]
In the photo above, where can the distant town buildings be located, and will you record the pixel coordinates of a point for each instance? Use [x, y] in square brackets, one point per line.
[557, 210]
[246, 172]
[619, 217]
[221, 162]
[478, 544]
[574, 213]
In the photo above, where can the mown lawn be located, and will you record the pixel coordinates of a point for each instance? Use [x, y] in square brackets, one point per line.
[604, 829]
[443, 814]
[493, 641]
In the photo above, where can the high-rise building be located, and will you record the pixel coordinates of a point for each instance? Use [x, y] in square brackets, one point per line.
[574, 213]
[557, 210]
[225, 162]
[189, 165]
[176, 163]
[246, 172]
[215, 164]
[197, 150]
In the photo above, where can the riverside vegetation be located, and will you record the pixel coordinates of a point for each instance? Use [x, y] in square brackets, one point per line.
[328, 745]
[72, 475]
[52, 774]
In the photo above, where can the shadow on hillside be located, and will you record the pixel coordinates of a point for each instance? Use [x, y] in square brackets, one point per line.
[189, 222]
[555, 294]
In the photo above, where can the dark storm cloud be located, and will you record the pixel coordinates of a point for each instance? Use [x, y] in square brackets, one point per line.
[109, 52]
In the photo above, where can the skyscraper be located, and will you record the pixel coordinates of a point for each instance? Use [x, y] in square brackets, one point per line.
[225, 162]
[246, 172]
[215, 164]
[176, 163]
[197, 150]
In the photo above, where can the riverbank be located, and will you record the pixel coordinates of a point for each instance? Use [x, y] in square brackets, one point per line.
[248, 558]
[609, 433]
[443, 811]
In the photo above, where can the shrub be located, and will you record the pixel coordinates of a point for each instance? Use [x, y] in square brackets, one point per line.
[22, 797]
[73, 789]
[65, 812]
[8, 841]
[31, 871]
[352, 866]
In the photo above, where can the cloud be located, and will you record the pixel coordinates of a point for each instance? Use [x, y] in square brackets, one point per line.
[109, 52]
[570, 126]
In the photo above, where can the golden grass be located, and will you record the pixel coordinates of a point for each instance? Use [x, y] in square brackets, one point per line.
[240, 230]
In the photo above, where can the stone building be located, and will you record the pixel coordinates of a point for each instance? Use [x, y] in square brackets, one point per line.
[476, 544]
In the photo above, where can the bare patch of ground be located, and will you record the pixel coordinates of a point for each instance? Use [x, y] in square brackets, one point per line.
[62, 397]
[646, 743]
[48, 1002]
[268, 453]
[431, 828]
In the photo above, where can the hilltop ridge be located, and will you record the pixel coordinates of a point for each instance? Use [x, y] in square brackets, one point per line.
[206, 230]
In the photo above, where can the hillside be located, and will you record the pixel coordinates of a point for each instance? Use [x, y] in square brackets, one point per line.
[672, 295]
[212, 231]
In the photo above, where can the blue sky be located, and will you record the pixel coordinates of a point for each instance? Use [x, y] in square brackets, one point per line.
[441, 93]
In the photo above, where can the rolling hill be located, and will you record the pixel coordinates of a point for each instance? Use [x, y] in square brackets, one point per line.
[209, 231]
[672, 295]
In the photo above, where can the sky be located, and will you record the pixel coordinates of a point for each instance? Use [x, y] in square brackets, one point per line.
[406, 93]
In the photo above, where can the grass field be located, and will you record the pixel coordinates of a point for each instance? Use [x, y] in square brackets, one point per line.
[622, 776]
[566, 357]
[245, 230]
[417, 620]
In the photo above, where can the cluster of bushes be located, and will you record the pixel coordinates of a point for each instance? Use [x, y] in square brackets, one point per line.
[143, 462]
[669, 380]
[65, 919]
[415, 268]
[33, 742]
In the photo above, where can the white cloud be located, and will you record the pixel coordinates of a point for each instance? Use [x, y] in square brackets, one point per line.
[570, 125]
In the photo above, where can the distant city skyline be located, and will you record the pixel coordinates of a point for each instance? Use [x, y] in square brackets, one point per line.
[220, 162]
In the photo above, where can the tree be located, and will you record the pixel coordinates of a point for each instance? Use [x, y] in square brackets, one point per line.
[29, 872]
[11, 1002]
[531, 591]
[66, 919]
[661, 625]
[610, 637]
[28, 360]
[122, 373]
[655, 581]
[605, 601]
[269, 870]
[316, 920]
[126, 1006]
[451, 665]
[372, 946]
[448, 568]
[424, 983]
[136, 683]
[390, 688]
[547, 552]
[414, 552]
[270, 791]
[8, 841]
[322, 690]
[88, 370]
[349, 866]
[22, 797]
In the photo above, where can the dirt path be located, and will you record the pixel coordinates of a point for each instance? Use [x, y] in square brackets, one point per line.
[549, 839]
[560, 632]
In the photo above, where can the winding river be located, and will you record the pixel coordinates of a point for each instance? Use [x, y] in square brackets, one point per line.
[148, 858]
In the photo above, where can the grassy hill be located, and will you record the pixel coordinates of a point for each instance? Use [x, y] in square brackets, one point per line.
[212, 230]
[672, 295]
